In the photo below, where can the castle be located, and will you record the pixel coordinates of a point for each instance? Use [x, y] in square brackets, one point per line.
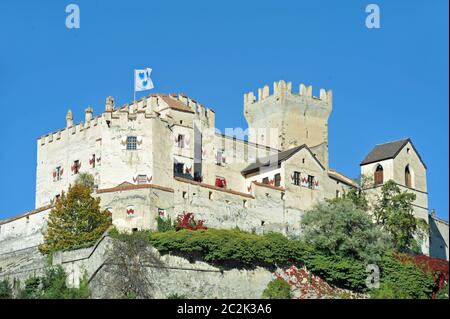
[162, 155]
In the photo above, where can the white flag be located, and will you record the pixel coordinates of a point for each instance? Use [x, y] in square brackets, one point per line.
[142, 81]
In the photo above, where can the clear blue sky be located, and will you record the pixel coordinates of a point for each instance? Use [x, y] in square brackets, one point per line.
[388, 83]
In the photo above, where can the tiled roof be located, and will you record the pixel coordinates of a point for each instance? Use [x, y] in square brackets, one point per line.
[275, 159]
[387, 151]
[342, 178]
[282, 189]
[175, 104]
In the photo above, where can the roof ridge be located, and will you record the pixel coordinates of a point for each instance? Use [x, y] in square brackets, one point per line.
[395, 141]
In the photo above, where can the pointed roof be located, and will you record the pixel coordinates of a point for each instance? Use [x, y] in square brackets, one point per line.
[277, 158]
[388, 151]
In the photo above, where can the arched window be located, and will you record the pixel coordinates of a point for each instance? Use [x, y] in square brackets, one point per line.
[378, 176]
[408, 179]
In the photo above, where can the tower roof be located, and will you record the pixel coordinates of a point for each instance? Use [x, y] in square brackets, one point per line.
[387, 151]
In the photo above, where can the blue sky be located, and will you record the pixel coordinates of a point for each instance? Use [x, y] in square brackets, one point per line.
[387, 83]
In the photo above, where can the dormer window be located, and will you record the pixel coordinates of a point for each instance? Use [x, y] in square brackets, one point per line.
[378, 176]
[131, 143]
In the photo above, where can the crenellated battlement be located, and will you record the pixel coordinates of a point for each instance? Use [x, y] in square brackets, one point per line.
[149, 107]
[283, 88]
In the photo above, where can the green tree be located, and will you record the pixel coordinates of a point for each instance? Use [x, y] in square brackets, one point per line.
[75, 221]
[339, 227]
[358, 198]
[394, 212]
[85, 179]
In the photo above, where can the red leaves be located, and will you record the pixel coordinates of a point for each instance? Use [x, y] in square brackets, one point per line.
[439, 268]
[307, 284]
[187, 221]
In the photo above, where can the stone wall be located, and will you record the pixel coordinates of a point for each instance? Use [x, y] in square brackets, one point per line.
[168, 276]
[173, 275]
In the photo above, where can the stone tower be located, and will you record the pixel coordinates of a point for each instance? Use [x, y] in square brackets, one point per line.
[285, 119]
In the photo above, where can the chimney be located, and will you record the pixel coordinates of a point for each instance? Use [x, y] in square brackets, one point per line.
[69, 119]
[109, 106]
[88, 114]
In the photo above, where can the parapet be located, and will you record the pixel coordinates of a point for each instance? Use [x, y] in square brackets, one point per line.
[147, 107]
[281, 88]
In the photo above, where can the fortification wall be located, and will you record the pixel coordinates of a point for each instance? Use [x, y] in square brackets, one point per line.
[24, 231]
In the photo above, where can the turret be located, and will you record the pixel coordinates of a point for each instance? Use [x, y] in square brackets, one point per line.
[88, 115]
[69, 119]
[109, 106]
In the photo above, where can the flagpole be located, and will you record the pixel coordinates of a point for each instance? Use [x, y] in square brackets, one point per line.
[134, 87]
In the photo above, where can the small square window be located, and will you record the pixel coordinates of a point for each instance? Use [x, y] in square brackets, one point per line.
[131, 143]
[178, 168]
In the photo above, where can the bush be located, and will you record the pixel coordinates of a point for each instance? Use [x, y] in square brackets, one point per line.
[402, 279]
[277, 289]
[340, 271]
[233, 248]
[224, 247]
[5, 290]
[165, 224]
[187, 221]
[53, 286]
[443, 293]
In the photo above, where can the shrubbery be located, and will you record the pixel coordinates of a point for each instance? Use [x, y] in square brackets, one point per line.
[165, 224]
[230, 248]
[443, 293]
[53, 286]
[5, 289]
[402, 279]
[277, 289]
